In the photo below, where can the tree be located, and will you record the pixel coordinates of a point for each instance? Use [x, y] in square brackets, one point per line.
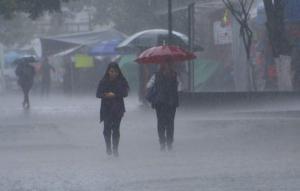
[240, 9]
[16, 30]
[279, 42]
[128, 16]
[34, 8]
[275, 25]
[15, 26]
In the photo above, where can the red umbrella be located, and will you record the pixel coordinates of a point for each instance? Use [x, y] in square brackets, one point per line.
[164, 54]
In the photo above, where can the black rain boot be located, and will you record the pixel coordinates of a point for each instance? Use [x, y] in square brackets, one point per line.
[170, 147]
[162, 147]
[115, 152]
[115, 146]
[108, 151]
[108, 146]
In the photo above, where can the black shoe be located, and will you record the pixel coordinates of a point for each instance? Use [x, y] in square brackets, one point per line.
[26, 105]
[108, 151]
[116, 152]
[162, 147]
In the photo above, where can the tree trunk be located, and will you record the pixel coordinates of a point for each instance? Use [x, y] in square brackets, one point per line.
[283, 65]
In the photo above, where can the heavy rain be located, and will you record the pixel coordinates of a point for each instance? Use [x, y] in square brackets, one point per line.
[144, 95]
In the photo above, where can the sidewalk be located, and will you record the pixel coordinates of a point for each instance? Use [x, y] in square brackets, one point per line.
[58, 145]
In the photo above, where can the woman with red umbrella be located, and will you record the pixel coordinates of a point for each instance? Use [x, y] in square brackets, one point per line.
[163, 88]
[165, 103]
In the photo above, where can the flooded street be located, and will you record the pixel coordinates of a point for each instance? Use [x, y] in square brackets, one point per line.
[58, 145]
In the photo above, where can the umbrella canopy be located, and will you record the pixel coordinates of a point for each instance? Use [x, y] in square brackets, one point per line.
[163, 54]
[150, 38]
[24, 60]
[105, 48]
[10, 57]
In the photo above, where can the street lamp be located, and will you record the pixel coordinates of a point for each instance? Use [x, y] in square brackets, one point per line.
[170, 27]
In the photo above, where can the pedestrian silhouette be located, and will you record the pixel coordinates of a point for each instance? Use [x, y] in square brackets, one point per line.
[112, 88]
[163, 87]
[25, 73]
[46, 76]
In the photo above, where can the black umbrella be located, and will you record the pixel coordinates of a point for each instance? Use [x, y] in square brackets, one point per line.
[25, 59]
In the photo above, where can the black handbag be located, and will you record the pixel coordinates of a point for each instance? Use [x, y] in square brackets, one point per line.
[151, 94]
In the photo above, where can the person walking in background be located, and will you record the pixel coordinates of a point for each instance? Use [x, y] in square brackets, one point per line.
[112, 88]
[164, 89]
[46, 76]
[296, 67]
[25, 73]
[67, 77]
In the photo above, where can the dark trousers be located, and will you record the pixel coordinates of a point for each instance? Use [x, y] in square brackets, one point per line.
[26, 94]
[26, 88]
[112, 132]
[165, 123]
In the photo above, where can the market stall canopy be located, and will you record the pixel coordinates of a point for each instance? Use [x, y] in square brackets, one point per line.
[149, 38]
[105, 48]
[68, 51]
[55, 44]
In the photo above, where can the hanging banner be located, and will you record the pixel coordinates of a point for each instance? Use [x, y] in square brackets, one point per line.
[83, 61]
[222, 34]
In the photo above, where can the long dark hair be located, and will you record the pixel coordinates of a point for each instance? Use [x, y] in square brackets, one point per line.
[167, 69]
[115, 66]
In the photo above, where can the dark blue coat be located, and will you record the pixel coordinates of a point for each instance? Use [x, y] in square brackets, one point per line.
[25, 73]
[166, 90]
[112, 108]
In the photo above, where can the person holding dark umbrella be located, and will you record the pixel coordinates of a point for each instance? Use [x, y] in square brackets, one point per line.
[112, 88]
[25, 73]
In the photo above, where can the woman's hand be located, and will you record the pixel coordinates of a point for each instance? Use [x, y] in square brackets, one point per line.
[109, 95]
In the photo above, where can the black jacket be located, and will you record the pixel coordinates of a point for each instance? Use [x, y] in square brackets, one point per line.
[25, 73]
[112, 107]
[166, 90]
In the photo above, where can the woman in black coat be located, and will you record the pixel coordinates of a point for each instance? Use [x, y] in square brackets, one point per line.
[165, 101]
[112, 89]
[25, 73]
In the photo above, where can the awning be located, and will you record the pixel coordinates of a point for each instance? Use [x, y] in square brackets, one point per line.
[66, 52]
[55, 44]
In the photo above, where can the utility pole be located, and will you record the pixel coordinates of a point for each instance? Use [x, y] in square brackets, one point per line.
[191, 35]
[170, 26]
[2, 82]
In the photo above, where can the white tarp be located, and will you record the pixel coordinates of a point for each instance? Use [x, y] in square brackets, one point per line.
[222, 34]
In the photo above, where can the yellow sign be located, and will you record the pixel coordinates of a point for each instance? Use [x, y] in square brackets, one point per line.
[83, 61]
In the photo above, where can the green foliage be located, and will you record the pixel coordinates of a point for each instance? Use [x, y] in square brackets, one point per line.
[127, 15]
[19, 29]
[15, 24]
[34, 8]
[7, 8]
